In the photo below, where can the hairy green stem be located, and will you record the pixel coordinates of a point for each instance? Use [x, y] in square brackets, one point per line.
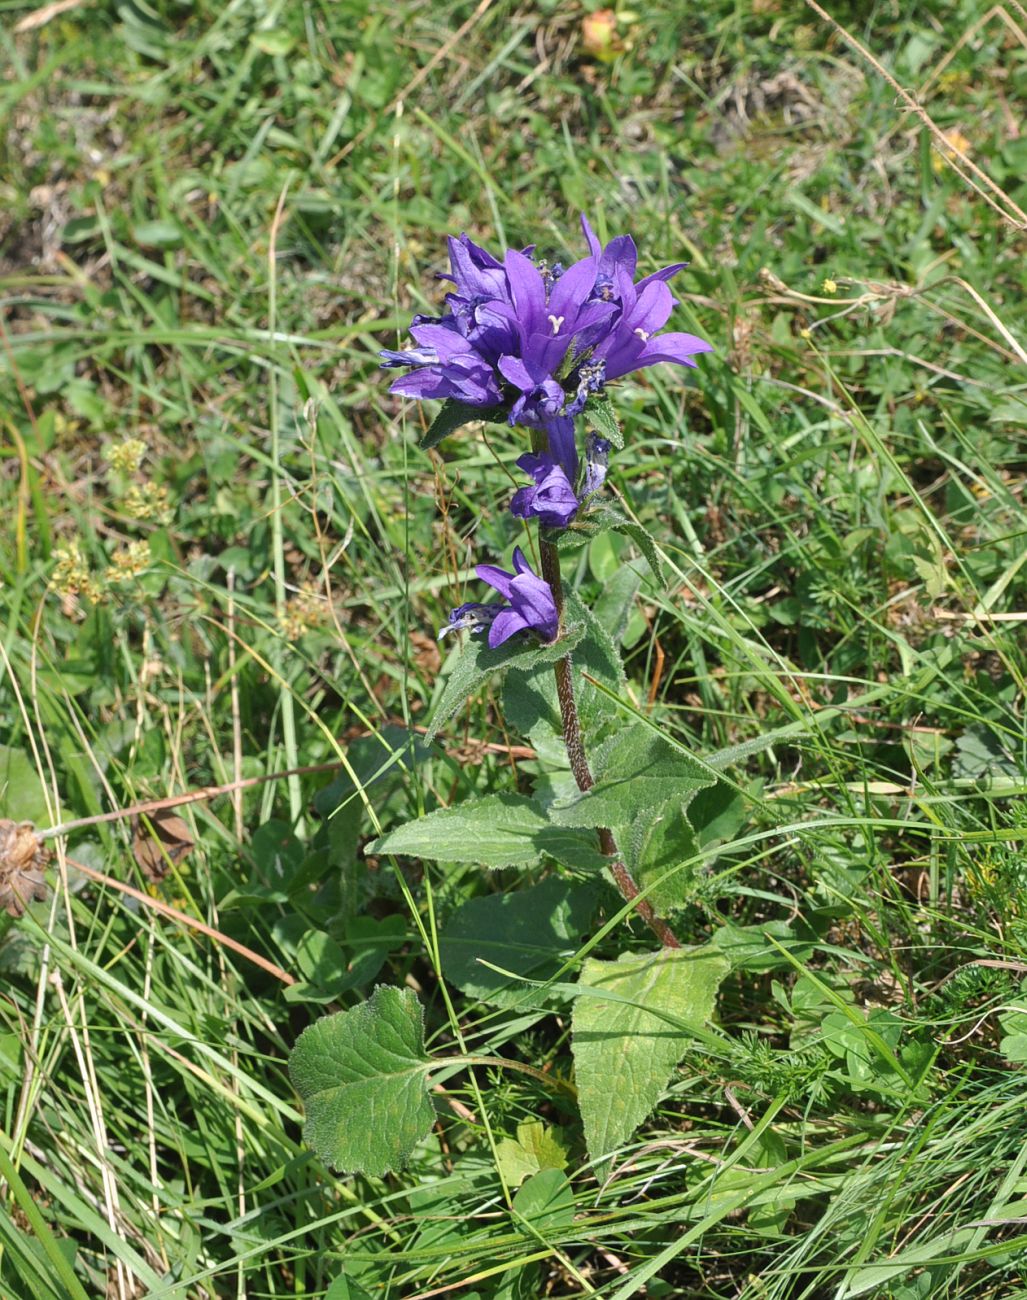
[579, 761]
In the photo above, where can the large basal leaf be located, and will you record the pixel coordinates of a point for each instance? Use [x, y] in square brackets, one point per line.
[497, 830]
[454, 415]
[635, 770]
[629, 1032]
[362, 1076]
[476, 662]
[528, 932]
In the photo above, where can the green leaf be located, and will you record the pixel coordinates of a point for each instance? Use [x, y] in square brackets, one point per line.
[628, 1034]
[663, 838]
[21, 791]
[344, 1288]
[529, 695]
[748, 948]
[476, 663]
[454, 415]
[497, 830]
[545, 1203]
[362, 1076]
[329, 972]
[601, 416]
[535, 1148]
[636, 770]
[528, 932]
[616, 602]
[642, 538]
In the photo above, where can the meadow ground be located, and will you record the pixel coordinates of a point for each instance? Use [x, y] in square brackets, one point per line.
[224, 557]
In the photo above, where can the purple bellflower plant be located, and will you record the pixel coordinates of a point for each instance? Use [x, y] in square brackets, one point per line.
[536, 344]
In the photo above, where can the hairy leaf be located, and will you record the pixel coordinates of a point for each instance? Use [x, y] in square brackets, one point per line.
[454, 415]
[630, 1030]
[497, 830]
[664, 838]
[476, 663]
[362, 1077]
[527, 932]
[636, 770]
[601, 415]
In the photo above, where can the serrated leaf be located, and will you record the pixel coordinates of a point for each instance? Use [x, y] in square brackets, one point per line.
[661, 840]
[528, 932]
[626, 1035]
[497, 830]
[476, 663]
[636, 770]
[545, 1203]
[535, 1148]
[664, 838]
[601, 416]
[529, 696]
[644, 540]
[454, 415]
[362, 1076]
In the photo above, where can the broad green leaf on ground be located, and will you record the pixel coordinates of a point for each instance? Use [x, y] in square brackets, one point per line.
[475, 663]
[362, 1076]
[330, 969]
[664, 839]
[629, 1029]
[528, 932]
[21, 791]
[545, 1203]
[636, 770]
[536, 1147]
[497, 830]
[454, 415]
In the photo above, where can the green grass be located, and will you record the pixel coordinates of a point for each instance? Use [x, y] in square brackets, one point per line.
[840, 495]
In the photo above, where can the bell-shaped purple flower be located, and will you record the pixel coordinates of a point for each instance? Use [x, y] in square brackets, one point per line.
[444, 365]
[551, 499]
[530, 603]
[470, 617]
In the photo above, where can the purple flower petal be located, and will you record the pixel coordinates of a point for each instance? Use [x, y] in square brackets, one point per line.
[504, 626]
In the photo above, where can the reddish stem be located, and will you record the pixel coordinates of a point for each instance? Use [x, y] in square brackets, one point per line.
[579, 762]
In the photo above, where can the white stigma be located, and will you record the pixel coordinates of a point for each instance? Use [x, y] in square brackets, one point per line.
[642, 334]
[556, 322]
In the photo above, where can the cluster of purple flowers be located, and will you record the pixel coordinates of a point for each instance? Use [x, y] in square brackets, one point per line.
[534, 342]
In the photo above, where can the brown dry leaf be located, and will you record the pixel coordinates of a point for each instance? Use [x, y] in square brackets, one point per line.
[23, 860]
[159, 839]
[599, 35]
